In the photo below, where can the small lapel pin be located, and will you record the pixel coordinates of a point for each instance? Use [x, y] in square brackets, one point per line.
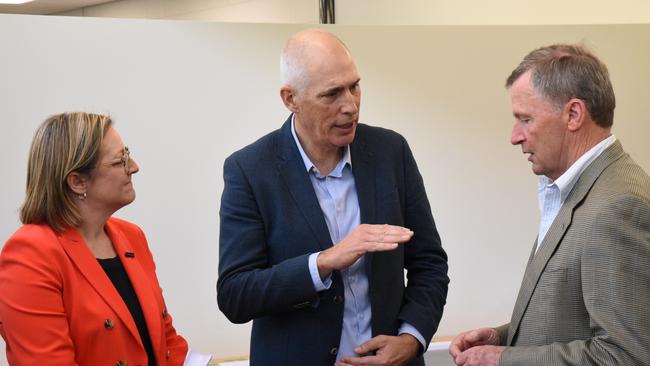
[129, 254]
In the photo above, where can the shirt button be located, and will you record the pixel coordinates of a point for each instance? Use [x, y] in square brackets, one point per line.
[334, 351]
[168, 354]
[108, 324]
[338, 299]
[121, 363]
[164, 313]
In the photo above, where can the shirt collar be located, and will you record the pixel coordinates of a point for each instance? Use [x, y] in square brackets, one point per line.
[567, 180]
[345, 160]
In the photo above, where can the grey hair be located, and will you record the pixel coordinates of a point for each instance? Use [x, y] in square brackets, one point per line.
[292, 70]
[563, 71]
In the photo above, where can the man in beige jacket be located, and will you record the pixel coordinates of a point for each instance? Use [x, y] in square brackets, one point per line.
[585, 295]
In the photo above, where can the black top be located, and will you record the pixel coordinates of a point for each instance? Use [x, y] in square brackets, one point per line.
[115, 271]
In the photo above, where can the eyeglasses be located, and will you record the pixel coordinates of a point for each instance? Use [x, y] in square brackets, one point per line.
[126, 156]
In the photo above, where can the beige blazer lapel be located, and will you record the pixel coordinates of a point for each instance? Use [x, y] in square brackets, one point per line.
[83, 259]
[556, 231]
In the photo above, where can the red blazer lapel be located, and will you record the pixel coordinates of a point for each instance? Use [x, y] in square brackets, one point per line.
[87, 264]
[141, 282]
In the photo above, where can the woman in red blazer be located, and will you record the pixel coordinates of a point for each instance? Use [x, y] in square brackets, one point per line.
[77, 286]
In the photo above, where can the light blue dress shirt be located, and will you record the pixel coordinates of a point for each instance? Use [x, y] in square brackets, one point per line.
[337, 196]
[552, 194]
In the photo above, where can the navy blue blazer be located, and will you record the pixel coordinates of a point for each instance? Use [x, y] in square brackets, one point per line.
[271, 222]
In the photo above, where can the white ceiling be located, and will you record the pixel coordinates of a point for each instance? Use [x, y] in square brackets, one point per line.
[48, 6]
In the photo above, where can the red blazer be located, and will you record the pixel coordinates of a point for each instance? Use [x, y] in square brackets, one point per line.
[58, 307]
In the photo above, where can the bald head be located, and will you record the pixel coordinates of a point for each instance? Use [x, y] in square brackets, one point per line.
[306, 53]
[321, 89]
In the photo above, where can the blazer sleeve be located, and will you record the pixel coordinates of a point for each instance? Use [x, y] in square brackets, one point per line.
[425, 260]
[249, 286]
[615, 274]
[502, 331]
[176, 345]
[32, 315]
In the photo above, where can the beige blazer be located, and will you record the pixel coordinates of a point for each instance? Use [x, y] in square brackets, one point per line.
[585, 295]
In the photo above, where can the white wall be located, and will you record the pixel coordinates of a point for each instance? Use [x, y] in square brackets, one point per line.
[384, 12]
[186, 94]
[497, 12]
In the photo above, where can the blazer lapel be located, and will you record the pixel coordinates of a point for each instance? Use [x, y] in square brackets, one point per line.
[83, 259]
[537, 262]
[364, 179]
[141, 282]
[296, 179]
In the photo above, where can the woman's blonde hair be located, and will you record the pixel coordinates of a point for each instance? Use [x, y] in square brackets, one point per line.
[64, 143]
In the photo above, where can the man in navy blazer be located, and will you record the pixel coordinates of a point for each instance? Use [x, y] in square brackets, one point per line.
[319, 220]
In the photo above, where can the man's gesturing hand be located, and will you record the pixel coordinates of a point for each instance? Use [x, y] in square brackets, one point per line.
[363, 239]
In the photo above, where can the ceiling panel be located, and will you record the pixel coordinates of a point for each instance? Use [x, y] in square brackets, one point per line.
[44, 7]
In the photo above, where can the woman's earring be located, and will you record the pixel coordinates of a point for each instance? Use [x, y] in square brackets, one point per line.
[82, 196]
